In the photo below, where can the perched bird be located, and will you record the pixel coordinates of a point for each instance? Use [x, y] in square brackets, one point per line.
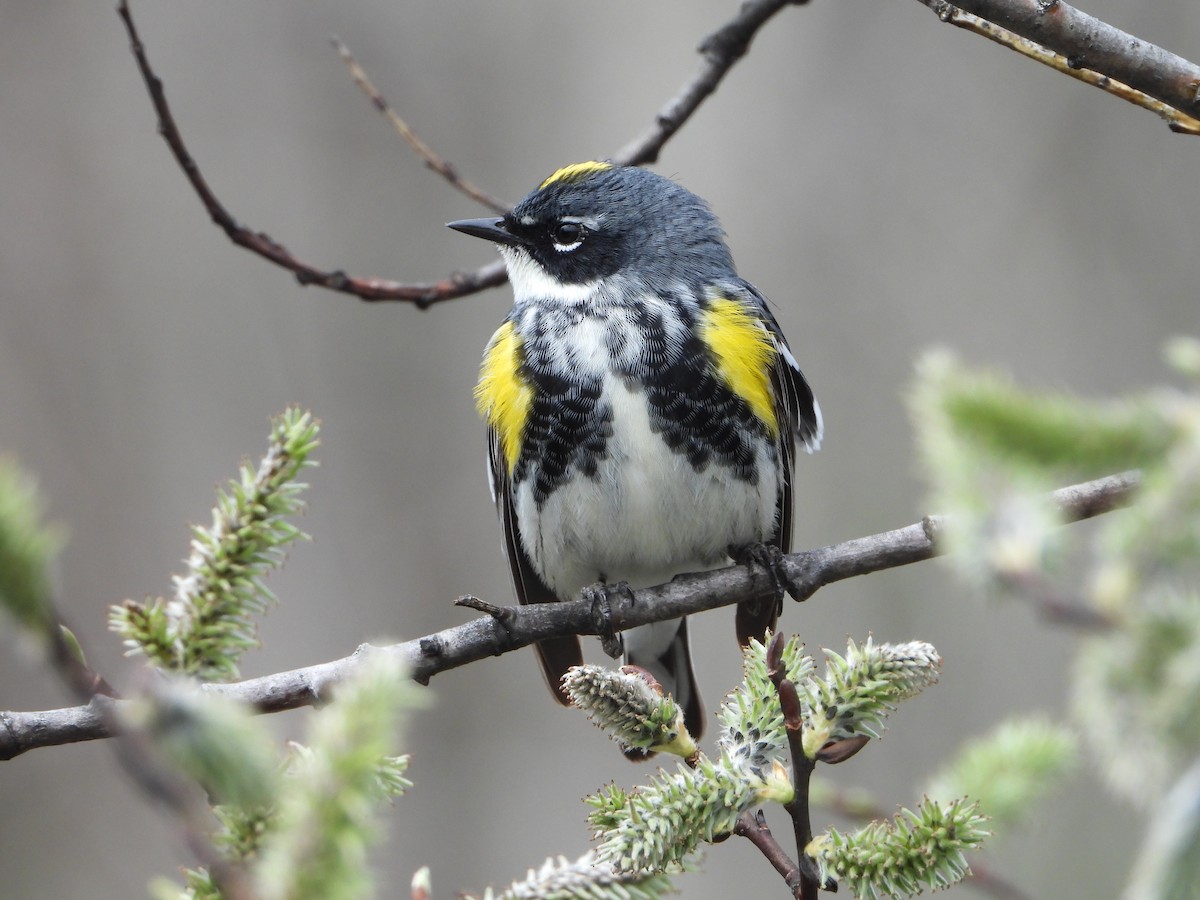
[642, 406]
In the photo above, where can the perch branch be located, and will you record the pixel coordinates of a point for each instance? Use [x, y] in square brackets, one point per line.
[521, 626]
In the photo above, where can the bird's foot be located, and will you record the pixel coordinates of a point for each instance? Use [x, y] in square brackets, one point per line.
[601, 597]
[756, 617]
[770, 557]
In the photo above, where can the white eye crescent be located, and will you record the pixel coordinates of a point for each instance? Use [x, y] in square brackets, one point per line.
[567, 235]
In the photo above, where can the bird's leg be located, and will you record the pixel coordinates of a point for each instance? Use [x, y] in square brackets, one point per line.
[756, 617]
[601, 595]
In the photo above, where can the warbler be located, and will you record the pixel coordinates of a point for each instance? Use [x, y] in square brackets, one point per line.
[642, 406]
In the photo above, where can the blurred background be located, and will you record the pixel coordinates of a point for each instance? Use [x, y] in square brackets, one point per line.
[892, 183]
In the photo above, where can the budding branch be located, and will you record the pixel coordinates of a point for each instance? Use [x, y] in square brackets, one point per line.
[505, 629]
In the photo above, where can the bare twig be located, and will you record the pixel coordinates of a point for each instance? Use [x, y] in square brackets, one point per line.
[1046, 30]
[1092, 51]
[488, 636]
[753, 826]
[721, 50]
[1176, 120]
[373, 289]
[419, 147]
[1057, 605]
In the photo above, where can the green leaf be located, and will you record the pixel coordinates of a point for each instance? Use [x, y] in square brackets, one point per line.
[209, 623]
[1009, 770]
[912, 852]
[1038, 430]
[326, 817]
[27, 548]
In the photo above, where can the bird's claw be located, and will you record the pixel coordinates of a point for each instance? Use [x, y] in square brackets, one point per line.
[600, 596]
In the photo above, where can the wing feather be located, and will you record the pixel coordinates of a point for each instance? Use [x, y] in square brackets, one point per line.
[555, 655]
[799, 417]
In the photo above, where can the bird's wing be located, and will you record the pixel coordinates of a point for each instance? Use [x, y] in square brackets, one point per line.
[555, 655]
[799, 417]
[794, 398]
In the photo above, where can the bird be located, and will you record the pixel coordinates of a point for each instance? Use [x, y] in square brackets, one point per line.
[642, 408]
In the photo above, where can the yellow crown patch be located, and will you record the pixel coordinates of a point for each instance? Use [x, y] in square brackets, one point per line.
[574, 172]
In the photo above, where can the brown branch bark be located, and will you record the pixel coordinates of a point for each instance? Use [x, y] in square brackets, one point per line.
[1103, 55]
[753, 826]
[802, 769]
[261, 243]
[1146, 74]
[521, 626]
[431, 159]
[721, 50]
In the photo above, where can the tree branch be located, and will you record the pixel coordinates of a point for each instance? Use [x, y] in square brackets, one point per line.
[721, 50]
[431, 159]
[809, 882]
[753, 826]
[1088, 49]
[522, 626]
[423, 295]
[138, 758]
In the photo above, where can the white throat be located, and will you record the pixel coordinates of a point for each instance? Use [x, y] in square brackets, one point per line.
[531, 281]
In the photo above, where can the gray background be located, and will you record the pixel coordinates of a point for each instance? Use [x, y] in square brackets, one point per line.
[892, 183]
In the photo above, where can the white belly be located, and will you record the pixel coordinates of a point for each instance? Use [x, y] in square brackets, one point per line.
[648, 514]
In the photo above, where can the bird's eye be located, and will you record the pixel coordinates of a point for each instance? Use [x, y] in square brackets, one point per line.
[567, 235]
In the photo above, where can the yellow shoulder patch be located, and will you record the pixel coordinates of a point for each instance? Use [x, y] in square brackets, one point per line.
[574, 172]
[501, 396]
[744, 352]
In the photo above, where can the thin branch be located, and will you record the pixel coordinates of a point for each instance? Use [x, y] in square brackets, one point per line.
[1073, 42]
[372, 289]
[183, 798]
[1092, 51]
[419, 147]
[802, 769]
[753, 826]
[1057, 605]
[1176, 120]
[521, 626]
[721, 50]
